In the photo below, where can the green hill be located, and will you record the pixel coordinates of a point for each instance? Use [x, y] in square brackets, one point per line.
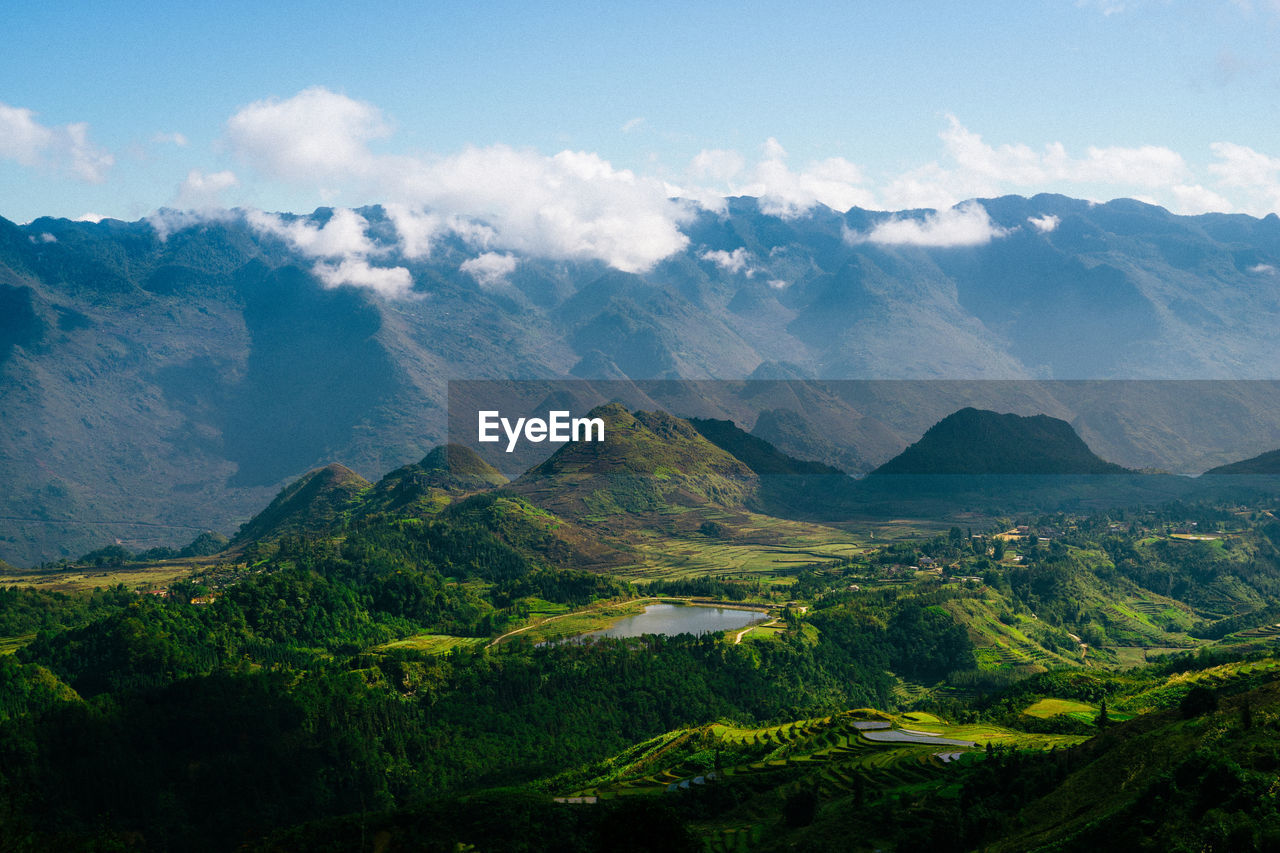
[649, 462]
[312, 503]
[448, 470]
[975, 441]
[1191, 778]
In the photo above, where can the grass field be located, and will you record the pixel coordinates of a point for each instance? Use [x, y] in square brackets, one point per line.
[432, 644]
[1046, 708]
[1130, 656]
[85, 578]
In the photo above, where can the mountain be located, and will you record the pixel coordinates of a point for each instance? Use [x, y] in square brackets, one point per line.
[649, 462]
[974, 441]
[1264, 463]
[756, 453]
[311, 504]
[788, 487]
[448, 470]
[170, 375]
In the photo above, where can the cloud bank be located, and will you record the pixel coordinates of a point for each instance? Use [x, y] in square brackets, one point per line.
[508, 202]
[572, 205]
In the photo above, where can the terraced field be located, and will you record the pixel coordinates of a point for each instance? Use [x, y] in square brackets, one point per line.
[863, 751]
[999, 645]
[1264, 632]
[9, 645]
[1239, 674]
[763, 547]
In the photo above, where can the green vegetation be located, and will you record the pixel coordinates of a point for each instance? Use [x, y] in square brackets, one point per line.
[367, 662]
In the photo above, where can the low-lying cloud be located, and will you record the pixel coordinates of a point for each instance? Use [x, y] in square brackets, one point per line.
[964, 225]
[737, 261]
[342, 247]
[572, 205]
[490, 269]
[1044, 224]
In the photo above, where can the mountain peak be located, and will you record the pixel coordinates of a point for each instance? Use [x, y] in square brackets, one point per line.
[310, 503]
[977, 441]
[648, 461]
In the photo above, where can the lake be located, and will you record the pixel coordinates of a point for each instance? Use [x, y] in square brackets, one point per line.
[671, 619]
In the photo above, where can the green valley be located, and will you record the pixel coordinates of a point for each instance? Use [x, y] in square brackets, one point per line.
[388, 665]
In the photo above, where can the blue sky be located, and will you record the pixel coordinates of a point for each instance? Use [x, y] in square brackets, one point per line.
[118, 109]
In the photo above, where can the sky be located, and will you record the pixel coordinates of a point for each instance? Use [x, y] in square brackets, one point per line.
[566, 128]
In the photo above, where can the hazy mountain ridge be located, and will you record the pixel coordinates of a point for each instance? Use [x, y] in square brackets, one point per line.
[181, 382]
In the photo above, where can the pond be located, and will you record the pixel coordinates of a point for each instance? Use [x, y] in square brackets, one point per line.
[672, 619]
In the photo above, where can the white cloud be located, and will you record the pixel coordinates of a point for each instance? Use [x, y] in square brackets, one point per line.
[391, 282]
[1251, 178]
[1193, 199]
[931, 186]
[343, 235]
[169, 220]
[316, 134]
[489, 269]
[22, 138]
[202, 191]
[778, 284]
[965, 225]
[1044, 224]
[343, 247]
[834, 182]
[89, 217]
[632, 124]
[733, 262]
[417, 229]
[577, 205]
[717, 165]
[573, 205]
[1145, 166]
[1241, 166]
[66, 148]
[977, 169]
[1262, 269]
[43, 237]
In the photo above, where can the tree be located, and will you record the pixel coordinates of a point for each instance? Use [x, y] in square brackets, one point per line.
[800, 807]
[1198, 701]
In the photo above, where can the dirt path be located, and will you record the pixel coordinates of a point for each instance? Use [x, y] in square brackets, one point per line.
[743, 632]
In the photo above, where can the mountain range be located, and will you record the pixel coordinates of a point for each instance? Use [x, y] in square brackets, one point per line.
[158, 379]
[656, 471]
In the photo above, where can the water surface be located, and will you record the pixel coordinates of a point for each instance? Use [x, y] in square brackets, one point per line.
[672, 619]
